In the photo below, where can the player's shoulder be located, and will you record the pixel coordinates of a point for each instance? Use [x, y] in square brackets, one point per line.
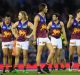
[50, 23]
[1, 24]
[30, 23]
[17, 22]
[37, 17]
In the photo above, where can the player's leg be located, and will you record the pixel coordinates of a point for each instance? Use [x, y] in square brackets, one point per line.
[63, 58]
[50, 56]
[54, 44]
[5, 53]
[72, 47]
[13, 54]
[71, 53]
[53, 61]
[18, 51]
[40, 45]
[38, 57]
[59, 50]
[78, 52]
[10, 59]
[25, 46]
[58, 58]
[10, 47]
[64, 63]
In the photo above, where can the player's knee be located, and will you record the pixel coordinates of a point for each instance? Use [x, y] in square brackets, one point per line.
[37, 58]
[24, 56]
[39, 53]
[52, 52]
[5, 54]
[71, 55]
[59, 55]
[9, 55]
[17, 55]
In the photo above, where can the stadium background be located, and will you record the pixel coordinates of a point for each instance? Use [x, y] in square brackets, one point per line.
[64, 7]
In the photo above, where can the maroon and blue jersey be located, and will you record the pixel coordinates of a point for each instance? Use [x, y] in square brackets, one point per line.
[6, 32]
[55, 30]
[42, 28]
[75, 30]
[22, 30]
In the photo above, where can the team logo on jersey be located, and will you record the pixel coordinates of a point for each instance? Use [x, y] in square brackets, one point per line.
[56, 31]
[6, 34]
[22, 32]
[76, 30]
[43, 27]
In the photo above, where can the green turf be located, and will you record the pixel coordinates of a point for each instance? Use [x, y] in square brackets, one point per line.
[52, 73]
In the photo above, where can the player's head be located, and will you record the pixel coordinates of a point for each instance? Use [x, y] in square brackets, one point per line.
[55, 16]
[22, 15]
[43, 8]
[78, 13]
[7, 19]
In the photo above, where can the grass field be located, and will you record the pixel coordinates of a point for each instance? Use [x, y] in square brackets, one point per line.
[66, 72]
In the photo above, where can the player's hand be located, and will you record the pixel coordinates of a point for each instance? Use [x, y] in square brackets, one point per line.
[70, 16]
[16, 36]
[34, 42]
[65, 43]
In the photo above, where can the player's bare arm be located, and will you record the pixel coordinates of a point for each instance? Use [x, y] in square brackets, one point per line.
[63, 31]
[14, 29]
[70, 21]
[36, 20]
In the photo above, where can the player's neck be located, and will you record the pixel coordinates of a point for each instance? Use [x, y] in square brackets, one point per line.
[56, 21]
[42, 14]
[23, 20]
[7, 24]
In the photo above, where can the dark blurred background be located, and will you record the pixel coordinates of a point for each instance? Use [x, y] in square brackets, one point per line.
[63, 7]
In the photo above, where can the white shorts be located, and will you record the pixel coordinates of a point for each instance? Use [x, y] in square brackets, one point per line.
[8, 45]
[75, 42]
[23, 45]
[43, 41]
[56, 42]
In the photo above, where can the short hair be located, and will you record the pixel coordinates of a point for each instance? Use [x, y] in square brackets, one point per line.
[57, 14]
[42, 6]
[78, 11]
